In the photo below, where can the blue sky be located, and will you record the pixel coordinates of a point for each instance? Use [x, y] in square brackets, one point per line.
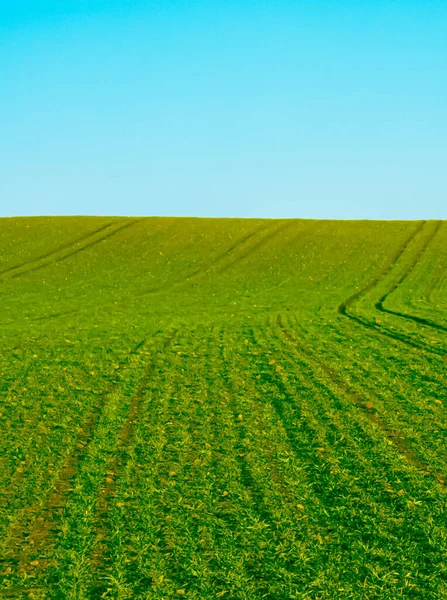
[319, 109]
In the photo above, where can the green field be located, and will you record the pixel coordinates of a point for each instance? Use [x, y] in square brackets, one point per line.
[223, 408]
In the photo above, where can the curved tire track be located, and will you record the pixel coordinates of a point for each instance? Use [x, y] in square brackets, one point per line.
[343, 308]
[380, 303]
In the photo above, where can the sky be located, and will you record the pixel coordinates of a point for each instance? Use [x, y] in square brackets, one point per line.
[269, 108]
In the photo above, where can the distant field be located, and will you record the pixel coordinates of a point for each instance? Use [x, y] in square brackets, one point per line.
[237, 409]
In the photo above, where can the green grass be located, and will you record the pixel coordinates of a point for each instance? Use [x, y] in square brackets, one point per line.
[237, 409]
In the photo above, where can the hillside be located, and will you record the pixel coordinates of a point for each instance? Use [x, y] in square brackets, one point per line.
[208, 408]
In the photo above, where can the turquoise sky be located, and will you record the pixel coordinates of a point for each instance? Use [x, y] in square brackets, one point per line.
[325, 109]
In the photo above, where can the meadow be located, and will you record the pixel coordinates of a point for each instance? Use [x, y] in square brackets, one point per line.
[223, 408]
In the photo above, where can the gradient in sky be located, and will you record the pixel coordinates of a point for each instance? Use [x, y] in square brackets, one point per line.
[323, 109]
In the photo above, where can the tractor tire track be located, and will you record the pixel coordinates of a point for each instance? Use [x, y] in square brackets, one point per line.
[75, 251]
[415, 318]
[361, 400]
[58, 249]
[379, 304]
[193, 276]
[343, 308]
[346, 304]
[55, 252]
[197, 273]
[202, 271]
[35, 529]
[399, 337]
[116, 465]
[255, 247]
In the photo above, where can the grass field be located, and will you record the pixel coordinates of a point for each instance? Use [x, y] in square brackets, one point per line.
[237, 409]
